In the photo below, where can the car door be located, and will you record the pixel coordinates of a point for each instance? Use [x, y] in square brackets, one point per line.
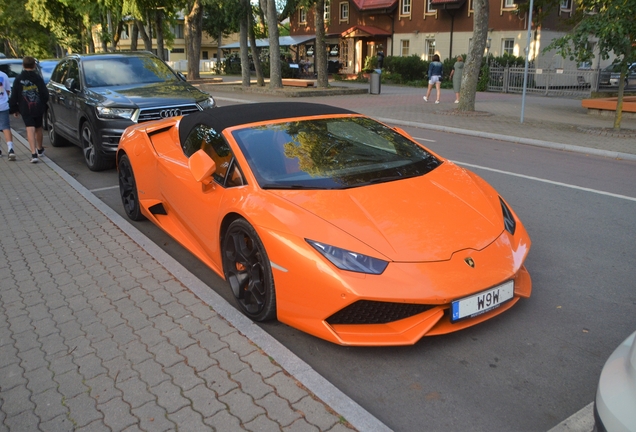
[195, 205]
[58, 95]
[70, 94]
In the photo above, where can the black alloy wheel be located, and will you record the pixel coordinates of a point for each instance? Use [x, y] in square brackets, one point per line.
[93, 157]
[128, 190]
[247, 269]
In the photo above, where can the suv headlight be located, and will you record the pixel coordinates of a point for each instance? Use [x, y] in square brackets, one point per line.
[351, 261]
[115, 113]
[207, 103]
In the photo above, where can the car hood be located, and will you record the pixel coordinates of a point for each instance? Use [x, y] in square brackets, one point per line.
[420, 219]
[148, 95]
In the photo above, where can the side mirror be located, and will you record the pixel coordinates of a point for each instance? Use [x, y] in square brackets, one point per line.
[201, 166]
[71, 84]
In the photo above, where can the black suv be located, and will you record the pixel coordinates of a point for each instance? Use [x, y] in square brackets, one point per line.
[95, 97]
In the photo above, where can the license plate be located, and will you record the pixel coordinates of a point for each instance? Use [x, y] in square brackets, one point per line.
[484, 301]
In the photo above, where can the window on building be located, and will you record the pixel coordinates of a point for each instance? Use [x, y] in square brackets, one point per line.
[430, 49]
[344, 11]
[177, 30]
[406, 7]
[566, 5]
[204, 55]
[508, 46]
[405, 44]
[177, 50]
[509, 4]
[302, 15]
[327, 12]
[429, 7]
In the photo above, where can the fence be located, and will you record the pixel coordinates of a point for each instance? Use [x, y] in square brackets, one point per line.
[549, 82]
[182, 65]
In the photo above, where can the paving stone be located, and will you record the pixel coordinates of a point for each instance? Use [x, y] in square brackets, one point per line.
[16, 400]
[169, 397]
[96, 332]
[62, 315]
[39, 380]
[60, 423]
[179, 338]
[175, 310]
[32, 359]
[210, 341]
[341, 427]
[102, 388]
[278, 409]
[20, 323]
[183, 376]
[83, 410]
[70, 330]
[239, 344]
[150, 336]
[218, 380]
[166, 355]
[70, 384]
[286, 387]
[201, 311]
[219, 326]
[24, 421]
[38, 311]
[136, 352]
[80, 347]
[90, 366]
[95, 426]
[197, 358]
[122, 334]
[111, 318]
[224, 421]
[261, 363]
[11, 376]
[164, 322]
[151, 308]
[315, 413]
[252, 383]
[48, 405]
[188, 420]
[153, 418]
[135, 392]
[151, 372]
[120, 369]
[301, 425]
[133, 428]
[107, 349]
[60, 364]
[8, 355]
[204, 401]
[53, 344]
[117, 414]
[262, 424]
[229, 361]
[241, 405]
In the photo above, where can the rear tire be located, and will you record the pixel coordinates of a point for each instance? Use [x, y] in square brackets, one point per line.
[128, 190]
[54, 138]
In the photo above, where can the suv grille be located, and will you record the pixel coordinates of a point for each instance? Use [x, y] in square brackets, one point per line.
[374, 312]
[159, 113]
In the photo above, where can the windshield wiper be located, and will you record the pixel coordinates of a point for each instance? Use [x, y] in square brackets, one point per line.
[291, 186]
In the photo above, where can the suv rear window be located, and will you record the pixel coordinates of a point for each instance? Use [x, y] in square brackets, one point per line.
[125, 71]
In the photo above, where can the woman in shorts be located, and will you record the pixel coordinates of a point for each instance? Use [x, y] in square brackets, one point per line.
[435, 70]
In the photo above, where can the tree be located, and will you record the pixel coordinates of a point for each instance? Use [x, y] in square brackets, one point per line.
[193, 24]
[220, 19]
[20, 33]
[472, 67]
[321, 47]
[612, 24]
[275, 76]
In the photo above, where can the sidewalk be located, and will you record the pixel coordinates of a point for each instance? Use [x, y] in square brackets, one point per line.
[101, 330]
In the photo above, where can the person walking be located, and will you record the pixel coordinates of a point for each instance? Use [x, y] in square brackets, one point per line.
[5, 121]
[29, 96]
[456, 76]
[380, 57]
[435, 70]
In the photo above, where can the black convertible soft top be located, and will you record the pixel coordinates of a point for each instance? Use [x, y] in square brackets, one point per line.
[234, 115]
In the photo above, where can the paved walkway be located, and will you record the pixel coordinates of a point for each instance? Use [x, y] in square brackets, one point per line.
[101, 330]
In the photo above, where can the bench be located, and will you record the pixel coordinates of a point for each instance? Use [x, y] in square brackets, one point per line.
[298, 82]
[609, 104]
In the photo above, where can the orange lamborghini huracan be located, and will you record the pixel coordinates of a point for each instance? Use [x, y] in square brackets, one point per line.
[328, 221]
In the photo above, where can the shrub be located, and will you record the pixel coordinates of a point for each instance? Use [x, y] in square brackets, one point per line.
[410, 68]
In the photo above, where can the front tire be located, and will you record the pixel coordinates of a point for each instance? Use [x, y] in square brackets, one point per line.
[247, 269]
[128, 190]
[94, 158]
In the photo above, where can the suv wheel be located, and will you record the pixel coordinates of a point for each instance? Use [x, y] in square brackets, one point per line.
[93, 157]
[54, 138]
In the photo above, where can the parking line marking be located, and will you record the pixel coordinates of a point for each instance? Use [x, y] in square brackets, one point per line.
[104, 188]
[548, 181]
[424, 139]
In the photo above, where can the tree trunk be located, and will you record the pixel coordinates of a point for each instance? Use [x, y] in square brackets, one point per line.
[472, 67]
[219, 52]
[245, 58]
[144, 35]
[320, 57]
[111, 32]
[159, 33]
[256, 52]
[106, 24]
[193, 33]
[117, 35]
[275, 79]
[619, 100]
[134, 35]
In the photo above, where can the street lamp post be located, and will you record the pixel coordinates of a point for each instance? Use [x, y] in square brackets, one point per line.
[525, 72]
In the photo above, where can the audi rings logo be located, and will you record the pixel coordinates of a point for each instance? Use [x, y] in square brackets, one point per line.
[170, 113]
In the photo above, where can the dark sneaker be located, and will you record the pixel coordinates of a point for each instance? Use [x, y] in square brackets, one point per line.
[40, 152]
[11, 155]
[34, 158]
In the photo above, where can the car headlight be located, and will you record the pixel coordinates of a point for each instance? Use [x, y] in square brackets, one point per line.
[351, 261]
[509, 220]
[207, 103]
[115, 113]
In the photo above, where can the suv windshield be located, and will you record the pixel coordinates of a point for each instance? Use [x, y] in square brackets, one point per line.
[121, 71]
[334, 153]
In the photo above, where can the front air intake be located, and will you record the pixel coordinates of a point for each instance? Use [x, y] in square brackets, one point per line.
[374, 312]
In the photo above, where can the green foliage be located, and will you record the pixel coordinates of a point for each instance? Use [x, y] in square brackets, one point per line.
[509, 60]
[370, 63]
[484, 76]
[410, 68]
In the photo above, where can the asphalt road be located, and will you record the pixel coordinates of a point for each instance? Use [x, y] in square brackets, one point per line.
[526, 370]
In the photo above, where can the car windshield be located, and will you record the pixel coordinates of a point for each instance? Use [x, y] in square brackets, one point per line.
[123, 71]
[333, 153]
[11, 69]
